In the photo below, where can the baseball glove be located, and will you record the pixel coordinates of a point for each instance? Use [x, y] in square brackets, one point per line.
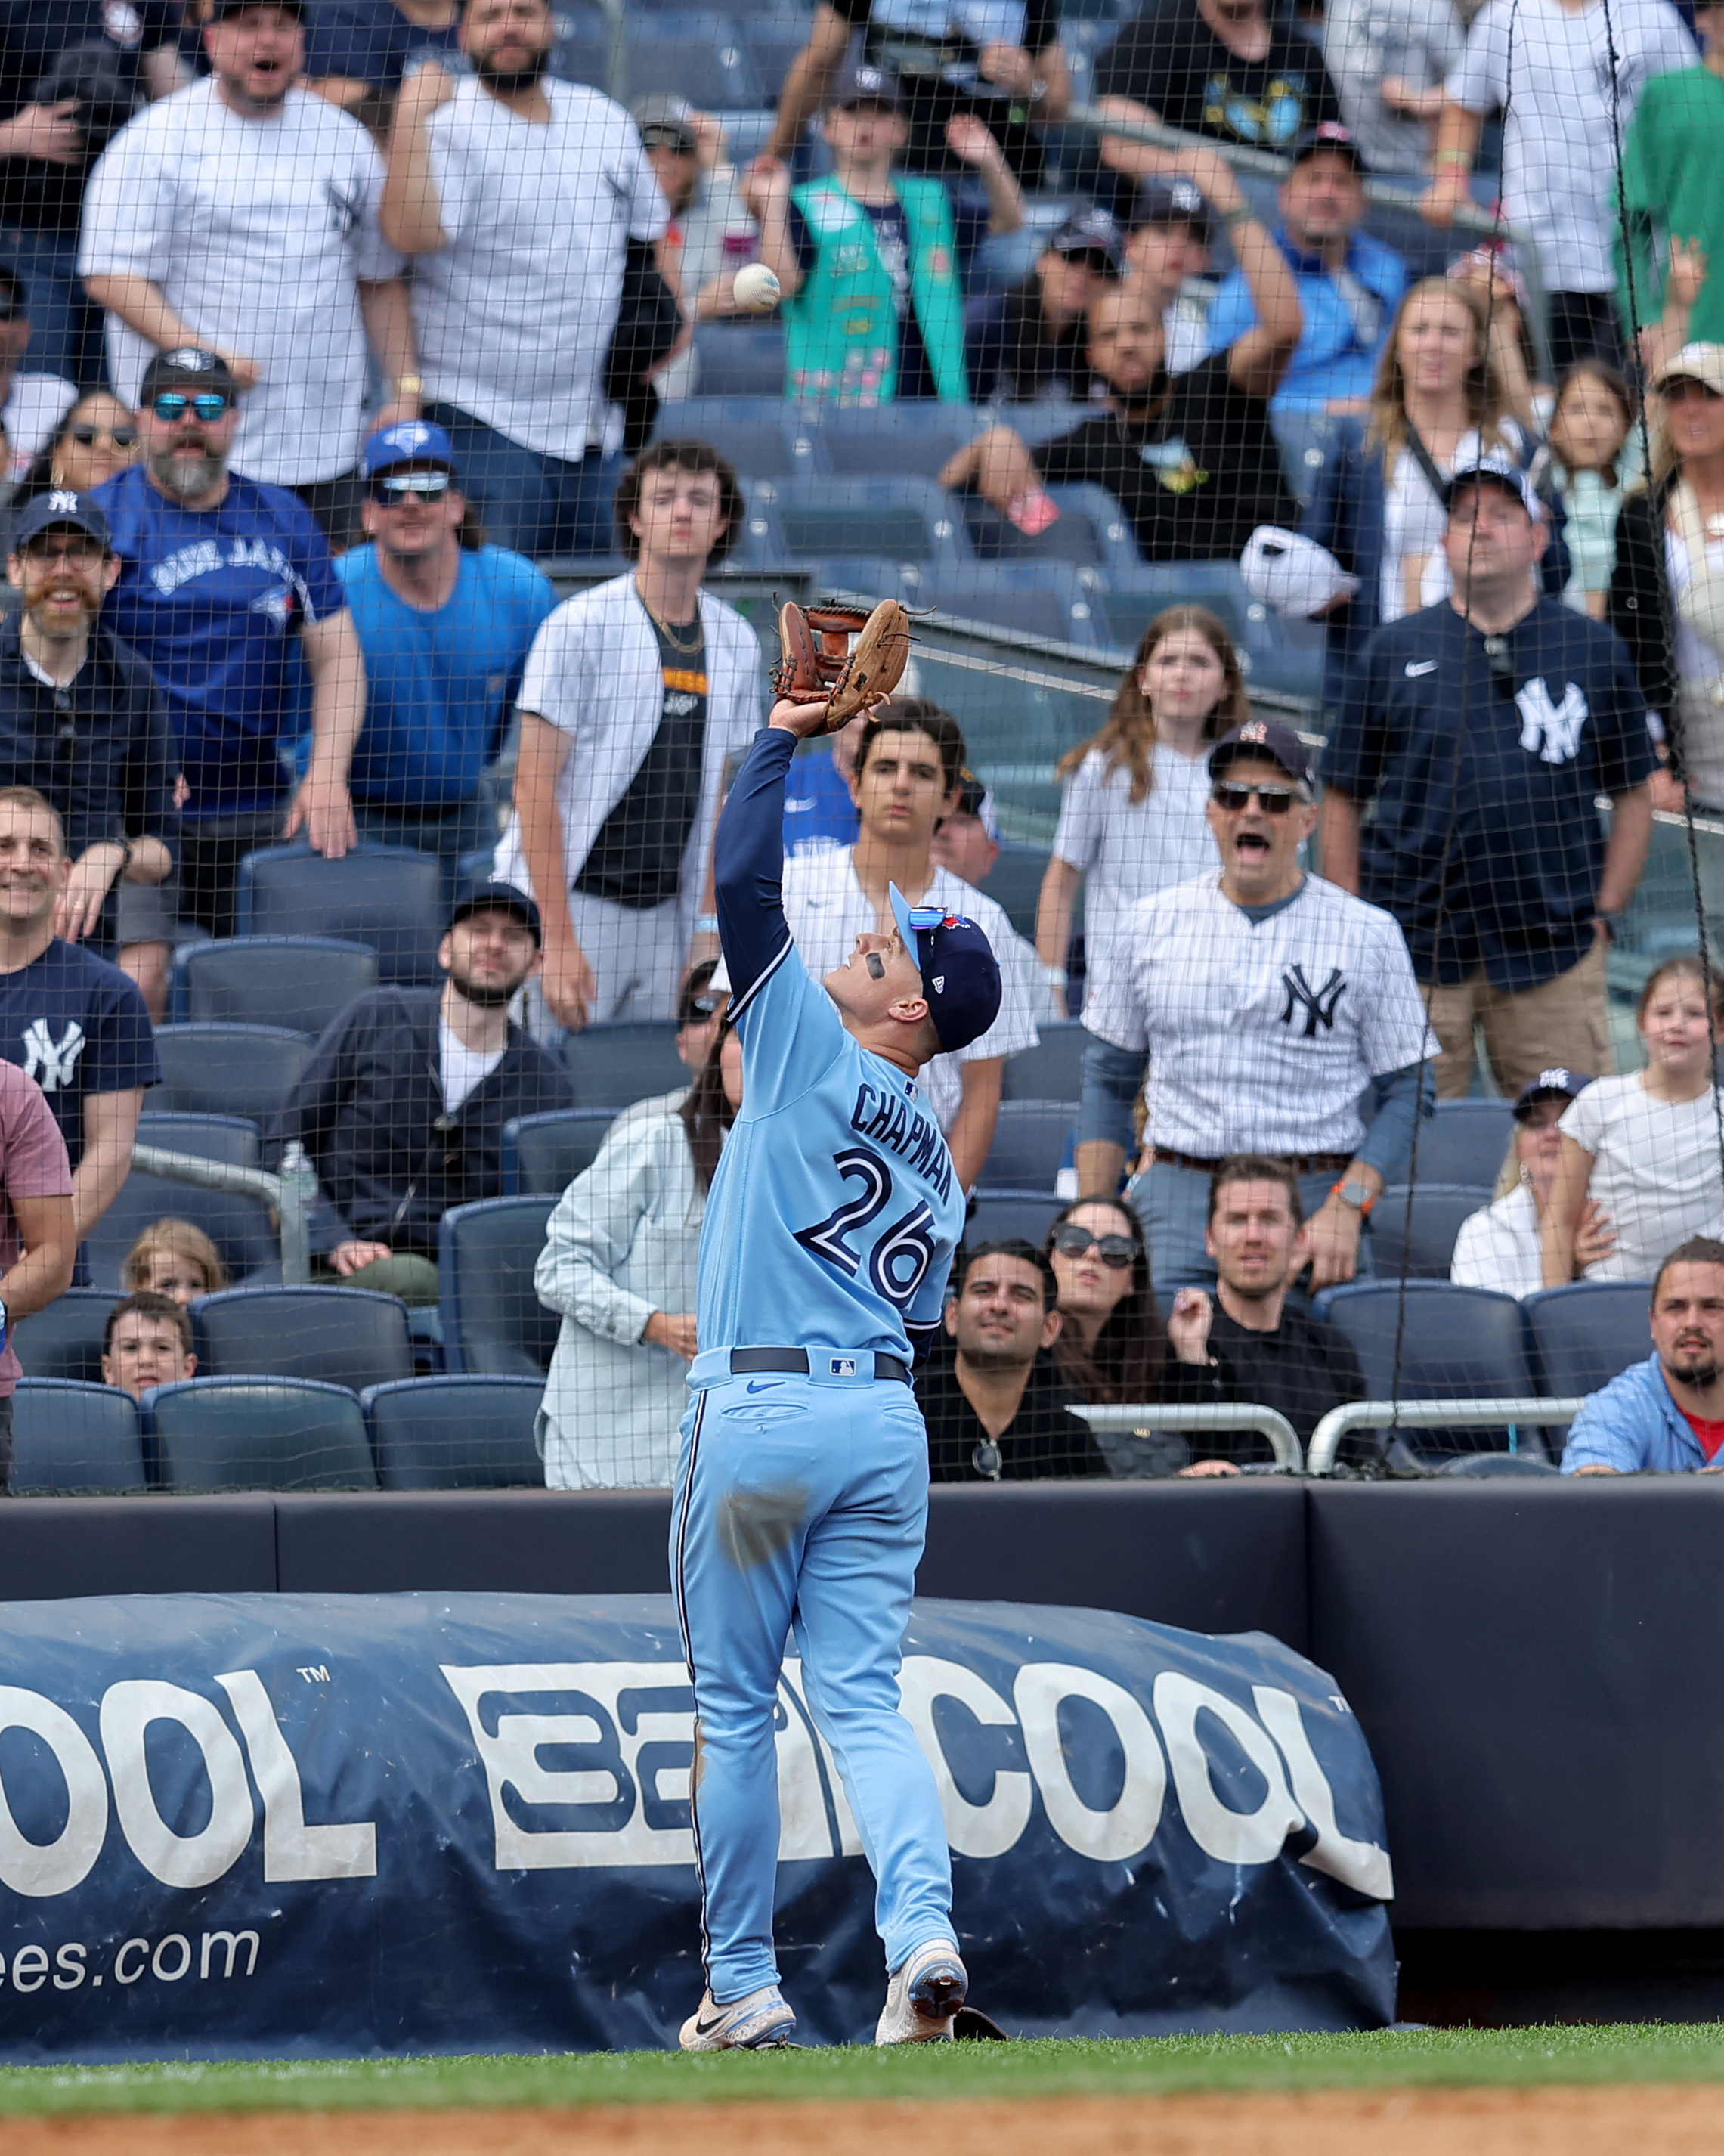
[817, 664]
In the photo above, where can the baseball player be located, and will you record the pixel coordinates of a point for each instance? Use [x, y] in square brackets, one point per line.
[801, 1492]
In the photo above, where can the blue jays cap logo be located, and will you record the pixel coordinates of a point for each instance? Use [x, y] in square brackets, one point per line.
[961, 976]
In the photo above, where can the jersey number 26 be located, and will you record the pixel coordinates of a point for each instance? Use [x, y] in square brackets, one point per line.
[901, 1257]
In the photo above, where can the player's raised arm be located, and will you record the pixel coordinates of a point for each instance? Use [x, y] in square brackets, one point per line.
[748, 852]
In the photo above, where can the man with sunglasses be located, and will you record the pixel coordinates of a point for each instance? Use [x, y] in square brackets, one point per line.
[1263, 1003]
[217, 574]
[1482, 731]
[445, 623]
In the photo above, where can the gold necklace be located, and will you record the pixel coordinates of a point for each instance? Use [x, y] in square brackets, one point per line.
[683, 650]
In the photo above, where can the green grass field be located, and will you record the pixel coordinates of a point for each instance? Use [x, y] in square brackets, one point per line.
[1445, 2058]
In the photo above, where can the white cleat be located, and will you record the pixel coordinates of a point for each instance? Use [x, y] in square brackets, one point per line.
[925, 1992]
[764, 2020]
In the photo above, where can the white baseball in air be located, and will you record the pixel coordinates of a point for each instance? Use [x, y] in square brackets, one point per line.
[757, 288]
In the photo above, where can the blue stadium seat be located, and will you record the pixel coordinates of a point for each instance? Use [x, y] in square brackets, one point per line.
[740, 359]
[341, 1336]
[249, 1071]
[240, 1228]
[1135, 596]
[871, 577]
[1425, 1250]
[1015, 884]
[1457, 1343]
[701, 56]
[233, 1139]
[492, 1322]
[1052, 1069]
[456, 1433]
[1030, 1138]
[386, 896]
[763, 437]
[543, 1154]
[582, 51]
[995, 1214]
[1056, 599]
[1093, 532]
[65, 1340]
[259, 1434]
[1585, 1335]
[78, 1438]
[300, 981]
[903, 519]
[613, 1066]
[914, 438]
[1306, 440]
[1465, 1142]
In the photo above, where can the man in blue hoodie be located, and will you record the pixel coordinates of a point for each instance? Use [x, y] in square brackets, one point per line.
[1664, 1416]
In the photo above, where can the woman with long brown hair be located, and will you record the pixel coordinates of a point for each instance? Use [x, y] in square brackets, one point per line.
[1131, 819]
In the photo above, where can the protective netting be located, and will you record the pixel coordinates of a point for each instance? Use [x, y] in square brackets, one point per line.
[416, 417]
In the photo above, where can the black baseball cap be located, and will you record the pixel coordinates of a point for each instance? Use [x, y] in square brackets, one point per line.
[1090, 232]
[961, 976]
[1174, 202]
[498, 897]
[1263, 737]
[190, 367]
[865, 84]
[1329, 135]
[59, 505]
[1555, 1084]
[223, 8]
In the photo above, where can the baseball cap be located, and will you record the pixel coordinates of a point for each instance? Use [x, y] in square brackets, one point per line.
[499, 897]
[865, 84]
[961, 976]
[186, 366]
[1090, 232]
[1329, 135]
[1292, 573]
[1695, 362]
[666, 123]
[59, 505]
[1553, 1085]
[974, 799]
[407, 442]
[1263, 737]
[1501, 472]
[223, 8]
[1174, 202]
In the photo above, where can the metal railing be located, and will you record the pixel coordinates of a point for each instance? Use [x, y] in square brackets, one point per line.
[280, 1193]
[1428, 1414]
[1128, 1421]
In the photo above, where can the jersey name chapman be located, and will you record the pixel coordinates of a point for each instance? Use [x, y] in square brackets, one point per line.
[916, 1138]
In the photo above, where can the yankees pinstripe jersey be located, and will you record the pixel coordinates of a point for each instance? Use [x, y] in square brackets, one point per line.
[1261, 1035]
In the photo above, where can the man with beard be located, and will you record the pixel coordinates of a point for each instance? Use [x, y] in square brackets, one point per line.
[521, 200]
[402, 1107]
[1664, 1416]
[216, 573]
[241, 214]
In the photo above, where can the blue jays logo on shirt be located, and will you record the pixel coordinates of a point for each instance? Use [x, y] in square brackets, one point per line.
[1318, 1004]
[278, 605]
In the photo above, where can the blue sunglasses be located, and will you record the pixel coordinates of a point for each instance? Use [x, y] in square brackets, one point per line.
[210, 405]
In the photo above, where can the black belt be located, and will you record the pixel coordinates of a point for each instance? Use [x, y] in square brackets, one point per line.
[1301, 1163]
[746, 1361]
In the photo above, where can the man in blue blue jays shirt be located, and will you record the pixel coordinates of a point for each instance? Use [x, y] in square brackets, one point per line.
[1664, 1416]
[218, 575]
[445, 623]
[802, 1491]
[1349, 284]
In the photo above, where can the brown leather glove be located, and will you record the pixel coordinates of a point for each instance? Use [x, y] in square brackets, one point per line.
[817, 664]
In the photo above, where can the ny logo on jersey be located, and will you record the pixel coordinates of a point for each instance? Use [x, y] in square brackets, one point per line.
[1318, 1004]
[1553, 730]
[52, 1064]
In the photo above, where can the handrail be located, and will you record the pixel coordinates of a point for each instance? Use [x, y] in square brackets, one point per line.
[1127, 1421]
[279, 1192]
[1428, 1414]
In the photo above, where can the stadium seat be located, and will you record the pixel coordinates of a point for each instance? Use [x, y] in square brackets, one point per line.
[1135, 596]
[1030, 1138]
[1491, 1466]
[1015, 884]
[762, 436]
[259, 1434]
[543, 1154]
[914, 439]
[249, 1071]
[1585, 1335]
[1465, 1142]
[1457, 1343]
[233, 1139]
[1425, 1250]
[1035, 598]
[456, 1433]
[582, 51]
[341, 1336]
[492, 1322]
[903, 519]
[300, 981]
[613, 1066]
[77, 1438]
[240, 1228]
[1306, 440]
[995, 1214]
[700, 57]
[871, 577]
[1093, 532]
[1052, 1069]
[65, 1340]
[383, 895]
[741, 359]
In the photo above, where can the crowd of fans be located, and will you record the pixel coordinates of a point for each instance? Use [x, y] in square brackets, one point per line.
[324, 324]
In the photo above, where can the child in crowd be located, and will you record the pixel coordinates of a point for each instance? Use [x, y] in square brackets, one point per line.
[174, 1258]
[1595, 461]
[1645, 1147]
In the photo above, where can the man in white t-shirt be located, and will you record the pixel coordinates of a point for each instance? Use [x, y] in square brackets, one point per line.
[909, 774]
[1566, 74]
[519, 198]
[1263, 1004]
[241, 216]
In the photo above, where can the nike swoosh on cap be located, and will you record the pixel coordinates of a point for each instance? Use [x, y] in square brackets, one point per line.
[1415, 667]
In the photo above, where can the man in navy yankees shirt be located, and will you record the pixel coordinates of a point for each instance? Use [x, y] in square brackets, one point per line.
[1483, 728]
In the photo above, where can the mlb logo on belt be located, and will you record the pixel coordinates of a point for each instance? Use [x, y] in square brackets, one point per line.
[841, 1366]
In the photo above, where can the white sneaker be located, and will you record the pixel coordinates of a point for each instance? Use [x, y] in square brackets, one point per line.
[924, 1993]
[758, 2022]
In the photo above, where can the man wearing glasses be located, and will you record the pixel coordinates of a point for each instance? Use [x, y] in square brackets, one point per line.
[444, 623]
[1484, 729]
[1263, 1003]
[216, 574]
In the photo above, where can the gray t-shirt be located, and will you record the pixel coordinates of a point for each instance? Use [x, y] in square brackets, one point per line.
[1363, 41]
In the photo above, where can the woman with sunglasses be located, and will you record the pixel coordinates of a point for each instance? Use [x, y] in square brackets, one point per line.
[1131, 815]
[96, 438]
